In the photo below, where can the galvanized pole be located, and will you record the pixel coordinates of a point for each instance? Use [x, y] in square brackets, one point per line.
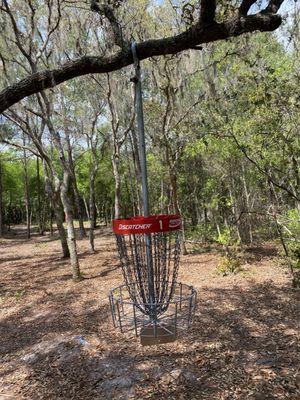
[143, 162]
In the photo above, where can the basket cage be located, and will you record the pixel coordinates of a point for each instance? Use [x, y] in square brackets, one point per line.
[129, 317]
[151, 302]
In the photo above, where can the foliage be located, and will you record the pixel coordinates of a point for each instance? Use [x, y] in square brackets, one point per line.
[230, 261]
[291, 234]
[221, 126]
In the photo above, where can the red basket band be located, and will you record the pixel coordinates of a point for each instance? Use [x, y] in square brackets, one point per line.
[152, 224]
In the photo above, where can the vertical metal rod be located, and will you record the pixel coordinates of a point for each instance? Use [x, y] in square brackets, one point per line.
[143, 162]
[121, 297]
[195, 302]
[190, 310]
[112, 308]
[119, 316]
[176, 311]
[180, 296]
[134, 317]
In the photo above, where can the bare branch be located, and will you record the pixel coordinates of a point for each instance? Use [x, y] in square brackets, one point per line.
[262, 170]
[245, 6]
[19, 146]
[108, 12]
[51, 30]
[17, 33]
[273, 6]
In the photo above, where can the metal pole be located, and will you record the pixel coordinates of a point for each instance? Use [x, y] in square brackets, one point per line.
[143, 162]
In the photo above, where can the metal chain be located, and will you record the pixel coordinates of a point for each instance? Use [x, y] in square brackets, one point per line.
[165, 249]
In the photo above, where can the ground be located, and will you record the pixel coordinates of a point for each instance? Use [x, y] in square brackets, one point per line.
[58, 342]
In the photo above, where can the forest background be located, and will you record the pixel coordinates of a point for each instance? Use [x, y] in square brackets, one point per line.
[222, 126]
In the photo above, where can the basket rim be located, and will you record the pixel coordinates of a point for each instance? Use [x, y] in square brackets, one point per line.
[147, 225]
[182, 298]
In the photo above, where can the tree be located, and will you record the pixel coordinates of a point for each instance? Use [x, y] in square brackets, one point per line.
[86, 123]
[204, 28]
[120, 128]
[26, 189]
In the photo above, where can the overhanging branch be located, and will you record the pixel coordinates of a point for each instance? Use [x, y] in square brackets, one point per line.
[194, 36]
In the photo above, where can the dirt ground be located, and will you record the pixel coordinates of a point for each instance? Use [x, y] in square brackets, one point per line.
[57, 340]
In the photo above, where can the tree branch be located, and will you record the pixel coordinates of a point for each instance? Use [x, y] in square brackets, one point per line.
[262, 170]
[208, 11]
[273, 6]
[107, 11]
[192, 37]
[19, 146]
[245, 6]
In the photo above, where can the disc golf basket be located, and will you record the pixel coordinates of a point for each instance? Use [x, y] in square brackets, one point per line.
[150, 302]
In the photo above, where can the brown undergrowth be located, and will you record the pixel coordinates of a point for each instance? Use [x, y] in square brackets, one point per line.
[57, 340]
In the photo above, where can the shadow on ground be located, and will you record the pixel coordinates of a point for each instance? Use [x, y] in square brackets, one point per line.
[243, 344]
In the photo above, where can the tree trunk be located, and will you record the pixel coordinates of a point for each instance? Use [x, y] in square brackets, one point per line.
[51, 217]
[86, 208]
[72, 173]
[1, 203]
[247, 198]
[96, 212]
[26, 191]
[297, 180]
[137, 167]
[70, 226]
[115, 163]
[92, 211]
[38, 190]
[55, 200]
[82, 232]
[173, 182]
[294, 272]
[58, 212]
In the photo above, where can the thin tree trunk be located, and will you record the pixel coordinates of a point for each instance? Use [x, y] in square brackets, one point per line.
[86, 208]
[115, 163]
[205, 223]
[294, 272]
[82, 232]
[137, 167]
[96, 212]
[55, 201]
[1, 203]
[297, 181]
[92, 212]
[58, 212]
[38, 189]
[173, 182]
[162, 191]
[72, 172]
[70, 226]
[51, 217]
[234, 213]
[106, 215]
[10, 213]
[247, 197]
[134, 203]
[26, 191]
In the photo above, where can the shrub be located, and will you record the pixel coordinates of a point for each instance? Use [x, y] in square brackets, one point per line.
[230, 260]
